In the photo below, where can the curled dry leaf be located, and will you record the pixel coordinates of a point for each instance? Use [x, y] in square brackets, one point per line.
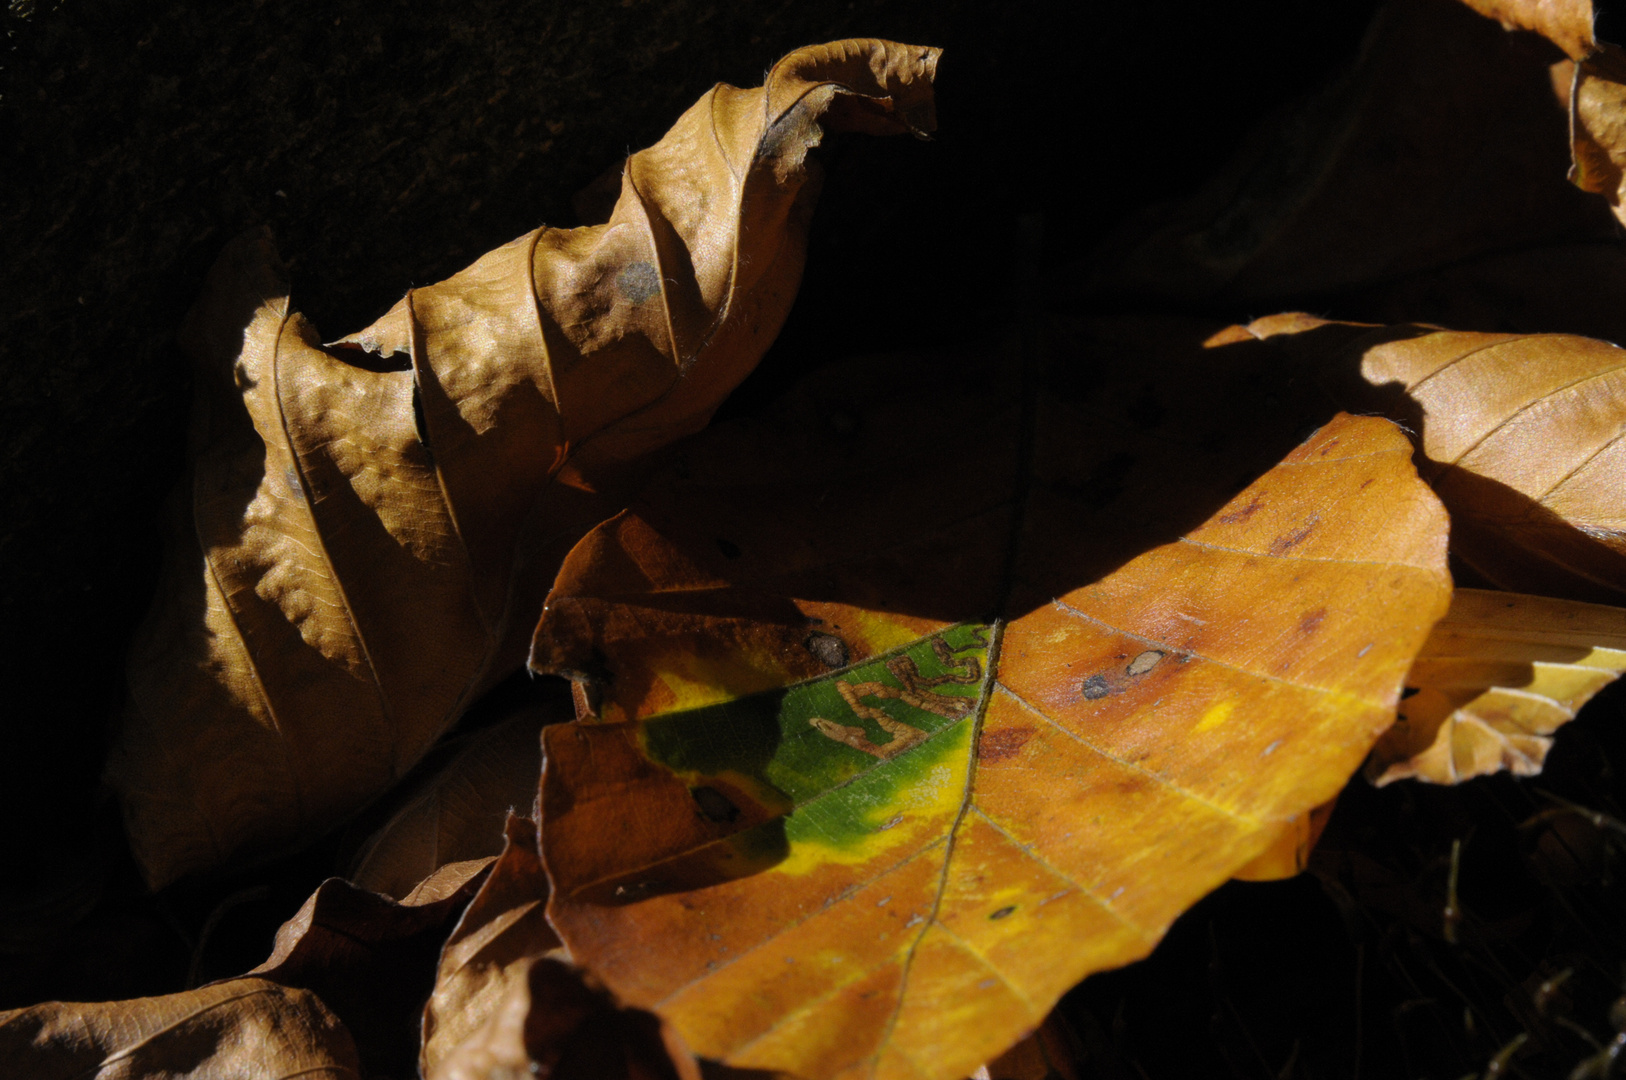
[368, 529]
[940, 687]
[457, 814]
[240, 1027]
[1525, 437]
[370, 958]
[1499, 674]
[485, 964]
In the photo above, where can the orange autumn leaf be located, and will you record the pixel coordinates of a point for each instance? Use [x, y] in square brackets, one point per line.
[1525, 437]
[368, 528]
[882, 787]
[1496, 678]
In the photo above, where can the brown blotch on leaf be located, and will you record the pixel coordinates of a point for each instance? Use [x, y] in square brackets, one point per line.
[1002, 745]
[1288, 541]
[1237, 517]
[1312, 620]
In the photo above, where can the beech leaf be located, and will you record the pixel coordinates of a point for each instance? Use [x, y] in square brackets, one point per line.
[457, 813]
[1525, 437]
[901, 726]
[1499, 674]
[486, 961]
[367, 529]
[369, 957]
[551, 1022]
[240, 1027]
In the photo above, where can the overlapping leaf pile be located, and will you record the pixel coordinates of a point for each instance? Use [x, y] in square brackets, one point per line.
[368, 529]
[902, 705]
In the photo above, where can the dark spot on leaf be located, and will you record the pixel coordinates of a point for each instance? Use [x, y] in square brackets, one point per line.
[1096, 687]
[638, 282]
[828, 650]
[1002, 745]
[1409, 692]
[1312, 620]
[1288, 541]
[1002, 912]
[1237, 517]
[714, 805]
[729, 549]
[1145, 662]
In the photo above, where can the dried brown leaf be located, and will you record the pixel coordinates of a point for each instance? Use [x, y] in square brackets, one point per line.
[457, 813]
[371, 959]
[552, 1022]
[346, 572]
[237, 1028]
[486, 964]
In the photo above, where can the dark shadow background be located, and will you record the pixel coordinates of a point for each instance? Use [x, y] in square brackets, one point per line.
[388, 146]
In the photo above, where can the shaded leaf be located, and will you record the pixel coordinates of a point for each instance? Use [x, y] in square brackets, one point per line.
[485, 968]
[1442, 143]
[236, 1028]
[1052, 1052]
[887, 773]
[356, 509]
[372, 959]
[551, 1022]
[1499, 674]
[1597, 88]
[457, 814]
[1525, 437]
